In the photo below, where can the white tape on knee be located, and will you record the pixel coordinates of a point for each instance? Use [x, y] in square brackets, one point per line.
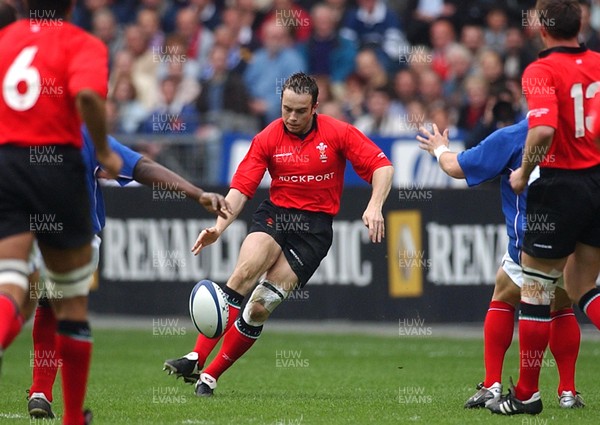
[267, 294]
[547, 281]
[71, 284]
[14, 272]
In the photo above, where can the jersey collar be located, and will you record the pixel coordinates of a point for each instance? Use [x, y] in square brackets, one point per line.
[305, 135]
[563, 49]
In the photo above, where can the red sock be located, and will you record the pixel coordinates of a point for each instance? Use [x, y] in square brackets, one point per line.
[205, 345]
[235, 344]
[15, 329]
[74, 345]
[534, 333]
[590, 305]
[45, 362]
[564, 344]
[497, 336]
[8, 313]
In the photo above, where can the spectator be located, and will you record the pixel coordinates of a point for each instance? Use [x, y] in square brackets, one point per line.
[517, 55]
[237, 60]
[144, 66]
[339, 10]
[240, 25]
[209, 13]
[373, 25]
[439, 113]
[198, 39]
[423, 14]
[105, 27]
[405, 88]
[333, 109]
[290, 15]
[149, 22]
[587, 34]
[224, 100]
[495, 32]
[460, 62]
[166, 117]
[325, 52]
[267, 71]
[442, 36]
[430, 87]
[472, 36]
[354, 98]
[370, 70]
[131, 111]
[420, 59]
[471, 112]
[175, 50]
[499, 112]
[492, 69]
[380, 119]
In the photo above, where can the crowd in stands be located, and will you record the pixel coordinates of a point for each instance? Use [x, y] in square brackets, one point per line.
[203, 67]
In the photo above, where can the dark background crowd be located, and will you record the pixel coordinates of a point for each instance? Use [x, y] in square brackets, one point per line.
[199, 68]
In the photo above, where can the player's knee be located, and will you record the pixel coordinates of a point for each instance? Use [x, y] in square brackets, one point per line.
[257, 313]
[75, 283]
[243, 277]
[264, 300]
[14, 272]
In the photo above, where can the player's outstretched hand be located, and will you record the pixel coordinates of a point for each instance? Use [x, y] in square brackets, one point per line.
[373, 219]
[215, 203]
[518, 181]
[205, 238]
[110, 162]
[432, 141]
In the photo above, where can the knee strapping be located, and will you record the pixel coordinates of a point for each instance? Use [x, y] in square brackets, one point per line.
[14, 272]
[543, 292]
[71, 284]
[266, 294]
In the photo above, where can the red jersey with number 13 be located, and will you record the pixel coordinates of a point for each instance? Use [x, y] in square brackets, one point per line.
[42, 68]
[560, 87]
[307, 174]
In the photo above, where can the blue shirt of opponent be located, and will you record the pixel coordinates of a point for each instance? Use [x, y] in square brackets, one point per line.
[497, 155]
[130, 160]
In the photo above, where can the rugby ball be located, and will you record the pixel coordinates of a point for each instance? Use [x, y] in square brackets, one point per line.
[208, 309]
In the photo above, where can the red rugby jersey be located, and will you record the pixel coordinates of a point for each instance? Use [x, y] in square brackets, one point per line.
[43, 65]
[560, 88]
[307, 174]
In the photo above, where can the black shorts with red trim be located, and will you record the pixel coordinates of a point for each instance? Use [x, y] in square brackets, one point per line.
[43, 191]
[304, 236]
[563, 208]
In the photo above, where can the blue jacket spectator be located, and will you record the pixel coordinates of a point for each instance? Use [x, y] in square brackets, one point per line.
[325, 52]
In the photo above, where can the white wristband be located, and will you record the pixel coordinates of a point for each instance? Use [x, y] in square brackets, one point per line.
[439, 151]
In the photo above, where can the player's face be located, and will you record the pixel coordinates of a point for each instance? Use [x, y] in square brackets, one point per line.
[297, 111]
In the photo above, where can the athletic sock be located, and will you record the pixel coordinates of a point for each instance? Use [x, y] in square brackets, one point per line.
[236, 342]
[565, 338]
[74, 345]
[534, 333]
[498, 331]
[590, 305]
[8, 312]
[204, 345]
[45, 355]
[15, 329]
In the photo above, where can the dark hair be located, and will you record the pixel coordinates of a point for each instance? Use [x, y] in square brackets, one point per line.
[8, 14]
[36, 8]
[560, 18]
[300, 83]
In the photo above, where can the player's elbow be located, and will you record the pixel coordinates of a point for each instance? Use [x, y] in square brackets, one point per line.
[88, 97]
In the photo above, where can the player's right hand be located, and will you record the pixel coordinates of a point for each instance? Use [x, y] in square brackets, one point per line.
[205, 238]
[110, 162]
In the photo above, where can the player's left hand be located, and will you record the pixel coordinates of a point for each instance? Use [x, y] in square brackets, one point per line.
[215, 203]
[373, 219]
[429, 142]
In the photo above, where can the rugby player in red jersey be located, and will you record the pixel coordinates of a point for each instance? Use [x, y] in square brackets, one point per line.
[51, 73]
[305, 155]
[563, 206]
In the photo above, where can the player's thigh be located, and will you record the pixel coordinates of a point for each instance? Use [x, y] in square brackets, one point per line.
[16, 247]
[561, 300]
[282, 275]
[582, 271]
[63, 260]
[258, 253]
[506, 289]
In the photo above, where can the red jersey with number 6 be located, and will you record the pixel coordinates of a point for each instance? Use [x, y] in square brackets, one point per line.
[307, 174]
[560, 87]
[42, 68]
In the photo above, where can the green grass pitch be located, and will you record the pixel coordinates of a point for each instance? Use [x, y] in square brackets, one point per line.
[303, 379]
